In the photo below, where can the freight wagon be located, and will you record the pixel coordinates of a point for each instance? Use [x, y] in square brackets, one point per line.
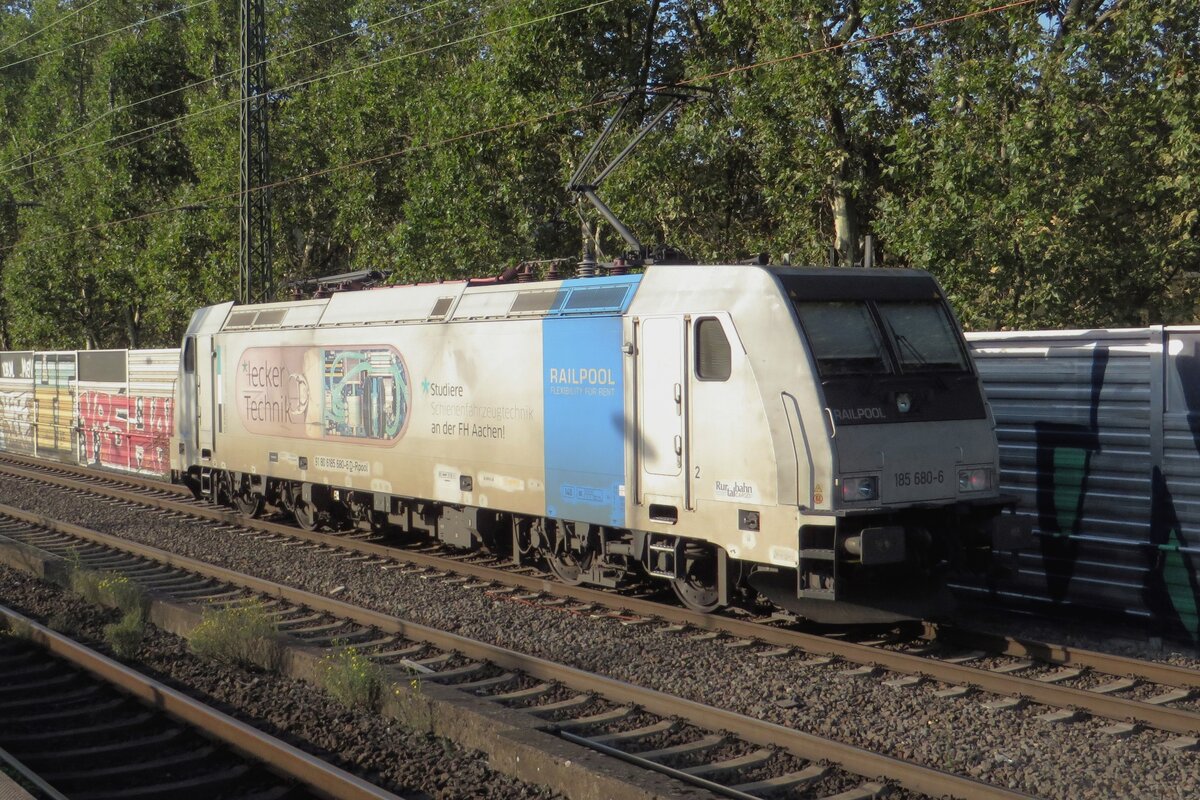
[112, 409]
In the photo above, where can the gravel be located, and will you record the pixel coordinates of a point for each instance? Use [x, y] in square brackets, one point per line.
[1007, 748]
[357, 741]
[1082, 631]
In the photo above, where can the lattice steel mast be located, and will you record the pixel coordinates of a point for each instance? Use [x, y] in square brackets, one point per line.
[254, 250]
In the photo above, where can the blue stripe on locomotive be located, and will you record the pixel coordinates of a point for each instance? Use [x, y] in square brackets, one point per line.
[583, 382]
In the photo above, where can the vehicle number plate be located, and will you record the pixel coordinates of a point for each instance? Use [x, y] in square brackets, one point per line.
[927, 477]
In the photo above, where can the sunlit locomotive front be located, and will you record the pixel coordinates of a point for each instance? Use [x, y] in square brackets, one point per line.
[817, 436]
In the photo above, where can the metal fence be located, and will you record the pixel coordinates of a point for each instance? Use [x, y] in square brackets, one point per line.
[1099, 437]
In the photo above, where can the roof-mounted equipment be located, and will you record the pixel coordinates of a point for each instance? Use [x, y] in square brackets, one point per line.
[676, 96]
[328, 284]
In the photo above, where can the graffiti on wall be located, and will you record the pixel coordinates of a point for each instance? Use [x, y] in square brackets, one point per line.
[1066, 478]
[1175, 594]
[1064, 456]
[120, 431]
[16, 422]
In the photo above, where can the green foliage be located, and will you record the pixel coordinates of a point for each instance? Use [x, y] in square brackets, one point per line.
[17, 629]
[353, 678]
[125, 637]
[1042, 161]
[242, 634]
[109, 589]
[63, 622]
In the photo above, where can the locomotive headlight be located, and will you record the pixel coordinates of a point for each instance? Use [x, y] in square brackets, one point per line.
[904, 402]
[975, 480]
[856, 490]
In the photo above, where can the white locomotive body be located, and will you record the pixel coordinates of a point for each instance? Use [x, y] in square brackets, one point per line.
[819, 435]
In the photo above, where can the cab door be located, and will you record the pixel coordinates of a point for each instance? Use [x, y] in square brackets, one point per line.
[662, 414]
[206, 399]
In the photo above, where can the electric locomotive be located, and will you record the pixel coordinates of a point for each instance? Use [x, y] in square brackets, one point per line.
[815, 436]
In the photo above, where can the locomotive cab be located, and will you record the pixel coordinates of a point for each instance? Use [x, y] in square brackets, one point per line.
[912, 446]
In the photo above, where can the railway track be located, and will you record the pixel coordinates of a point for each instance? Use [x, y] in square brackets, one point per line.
[1068, 681]
[78, 725]
[717, 750]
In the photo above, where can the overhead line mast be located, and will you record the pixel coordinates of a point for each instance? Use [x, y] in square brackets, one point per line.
[254, 239]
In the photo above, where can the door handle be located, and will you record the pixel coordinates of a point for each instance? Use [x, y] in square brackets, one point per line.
[679, 445]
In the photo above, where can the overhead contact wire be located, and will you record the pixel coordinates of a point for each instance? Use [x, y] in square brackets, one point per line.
[111, 111]
[531, 120]
[857, 42]
[314, 79]
[36, 56]
[47, 27]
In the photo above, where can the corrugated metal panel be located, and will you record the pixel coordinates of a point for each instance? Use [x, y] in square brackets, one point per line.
[16, 402]
[152, 377]
[125, 425]
[112, 409]
[1176, 524]
[54, 404]
[1108, 472]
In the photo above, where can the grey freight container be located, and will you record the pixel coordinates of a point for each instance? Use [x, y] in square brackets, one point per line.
[1099, 434]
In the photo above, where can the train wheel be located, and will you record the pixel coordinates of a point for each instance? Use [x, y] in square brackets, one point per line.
[564, 563]
[697, 588]
[248, 503]
[565, 567]
[222, 489]
[306, 514]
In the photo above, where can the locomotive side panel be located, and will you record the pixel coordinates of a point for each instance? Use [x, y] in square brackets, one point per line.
[584, 394]
[732, 477]
[449, 412]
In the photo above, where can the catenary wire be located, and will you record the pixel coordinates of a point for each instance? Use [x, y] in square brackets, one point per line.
[310, 80]
[168, 93]
[50, 25]
[45, 53]
[21, 163]
[526, 121]
[154, 130]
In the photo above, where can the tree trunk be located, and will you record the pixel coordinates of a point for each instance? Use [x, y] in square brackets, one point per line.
[643, 78]
[133, 327]
[845, 225]
[845, 215]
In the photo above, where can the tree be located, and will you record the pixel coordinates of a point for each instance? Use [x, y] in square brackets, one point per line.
[1048, 183]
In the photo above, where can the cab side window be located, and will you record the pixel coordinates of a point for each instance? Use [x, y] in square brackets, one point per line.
[714, 360]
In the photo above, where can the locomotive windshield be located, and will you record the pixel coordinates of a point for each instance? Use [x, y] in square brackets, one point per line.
[924, 336]
[843, 337]
[847, 337]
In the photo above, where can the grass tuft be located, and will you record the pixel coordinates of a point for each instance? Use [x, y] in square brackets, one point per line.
[352, 678]
[125, 637]
[110, 589]
[242, 634]
[64, 622]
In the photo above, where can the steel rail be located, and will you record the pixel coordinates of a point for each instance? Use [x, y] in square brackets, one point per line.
[807, 746]
[312, 772]
[44, 790]
[1108, 663]
[104, 475]
[1162, 717]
